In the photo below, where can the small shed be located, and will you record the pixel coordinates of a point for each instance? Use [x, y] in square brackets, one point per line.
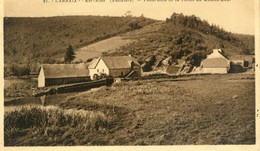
[247, 60]
[238, 62]
[215, 63]
[58, 74]
[115, 66]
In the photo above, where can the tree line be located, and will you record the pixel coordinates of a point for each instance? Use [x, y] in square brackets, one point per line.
[201, 25]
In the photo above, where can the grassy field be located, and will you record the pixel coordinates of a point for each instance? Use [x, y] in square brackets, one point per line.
[96, 49]
[212, 109]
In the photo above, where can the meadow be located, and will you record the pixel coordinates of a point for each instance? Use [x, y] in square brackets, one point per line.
[209, 109]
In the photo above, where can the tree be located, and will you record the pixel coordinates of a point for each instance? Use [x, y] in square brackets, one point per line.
[69, 55]
[20, 70]
[134, 25]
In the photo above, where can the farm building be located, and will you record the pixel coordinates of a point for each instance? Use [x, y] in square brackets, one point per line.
[245, 61]
[116, 66]
[57, 74]
[215, 63]
[238, 62]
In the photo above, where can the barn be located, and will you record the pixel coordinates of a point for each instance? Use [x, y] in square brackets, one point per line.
[215, 63]
[58, 74]
[115, 66]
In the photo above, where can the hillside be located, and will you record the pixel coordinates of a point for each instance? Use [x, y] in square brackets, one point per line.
[32, 41]
[44, 40]
[185, 37]
[248, 43]
[96, 49]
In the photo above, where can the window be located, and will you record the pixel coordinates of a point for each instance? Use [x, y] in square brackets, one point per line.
[122, 73]
[97, 70]
[103, 70]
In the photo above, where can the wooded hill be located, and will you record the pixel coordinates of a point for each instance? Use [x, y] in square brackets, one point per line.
[187, 38]
[32, 41]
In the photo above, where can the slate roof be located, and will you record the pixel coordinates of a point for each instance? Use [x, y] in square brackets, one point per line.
[115, 62]
[65, 70]
[216, 63]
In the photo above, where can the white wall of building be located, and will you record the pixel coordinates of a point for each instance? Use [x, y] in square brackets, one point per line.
[215, 70]
[41, 79]
[100, 68]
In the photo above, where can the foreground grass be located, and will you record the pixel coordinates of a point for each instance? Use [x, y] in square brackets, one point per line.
[51, 126]
[216, 109]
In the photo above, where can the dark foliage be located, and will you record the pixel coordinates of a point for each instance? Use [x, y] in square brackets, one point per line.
[201, 25]
[134, 25]
[17, 70]
[69, 55]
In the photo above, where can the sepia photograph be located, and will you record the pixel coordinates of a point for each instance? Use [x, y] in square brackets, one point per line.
[130, 73]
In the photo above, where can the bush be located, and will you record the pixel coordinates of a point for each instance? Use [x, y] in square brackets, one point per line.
[134, 25]
[17, 70]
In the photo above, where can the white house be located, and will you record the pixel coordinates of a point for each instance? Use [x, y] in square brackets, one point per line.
[215, 63]
[115, 66]
[57, 74]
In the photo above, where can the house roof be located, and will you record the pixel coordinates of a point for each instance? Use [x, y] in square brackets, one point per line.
[115, 62]
[94, 63]
[217, 53]
[65, 70]
[215, 63]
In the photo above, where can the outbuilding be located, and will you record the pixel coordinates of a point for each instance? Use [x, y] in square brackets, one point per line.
[238, 62]
[114, 66]
[215, 63]
[245, 61]
[58, 74]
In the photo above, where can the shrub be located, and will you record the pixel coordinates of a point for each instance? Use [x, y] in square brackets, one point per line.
[19, 70]
[134, 25]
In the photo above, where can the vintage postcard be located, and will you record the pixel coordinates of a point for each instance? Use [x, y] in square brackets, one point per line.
[130, 74]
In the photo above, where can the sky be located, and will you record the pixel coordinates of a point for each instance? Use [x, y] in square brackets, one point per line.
[236, 16]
